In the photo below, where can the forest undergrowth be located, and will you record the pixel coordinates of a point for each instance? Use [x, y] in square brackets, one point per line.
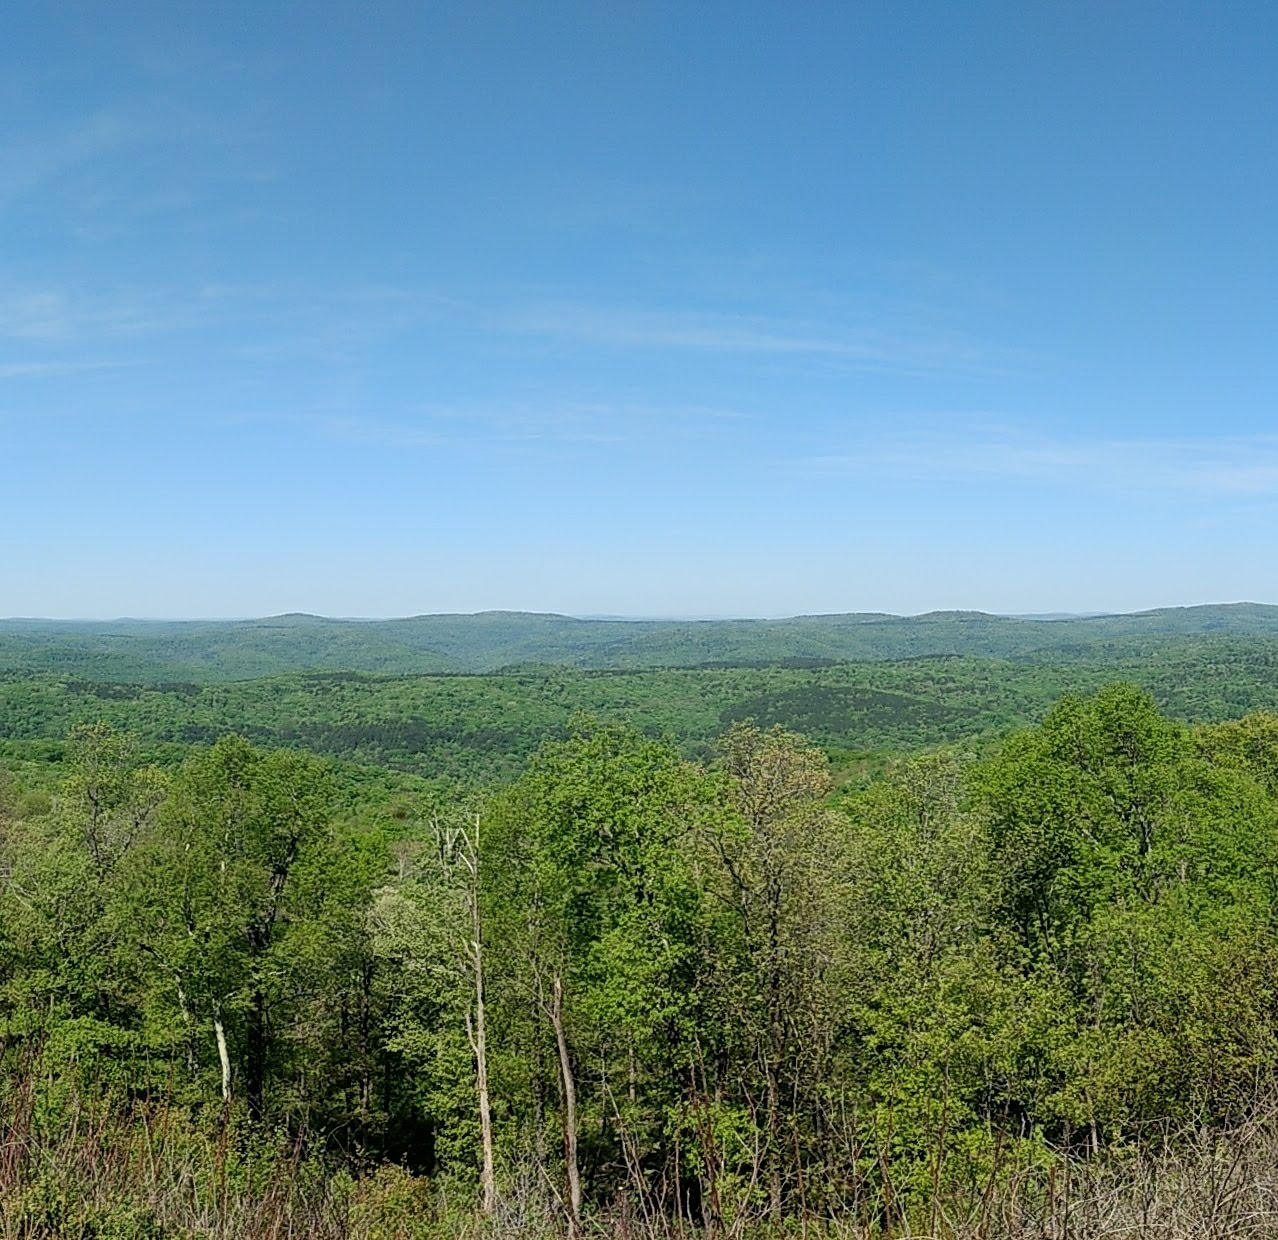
[98, 1169]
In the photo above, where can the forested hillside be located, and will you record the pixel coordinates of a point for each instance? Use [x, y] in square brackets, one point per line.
[481, 729]
[203, 651]
[252, 992]
[716, 949]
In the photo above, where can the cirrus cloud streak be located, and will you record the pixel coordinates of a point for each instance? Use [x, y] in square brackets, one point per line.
[1233, 465]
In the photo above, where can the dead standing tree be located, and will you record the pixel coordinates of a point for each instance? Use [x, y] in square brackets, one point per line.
[461, 846]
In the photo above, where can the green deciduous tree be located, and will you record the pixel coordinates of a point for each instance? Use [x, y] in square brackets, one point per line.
[218, 898]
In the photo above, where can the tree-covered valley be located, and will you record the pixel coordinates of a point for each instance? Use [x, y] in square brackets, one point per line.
[945, 945]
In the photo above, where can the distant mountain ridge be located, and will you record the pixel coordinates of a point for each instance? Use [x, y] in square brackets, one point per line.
[211, 651]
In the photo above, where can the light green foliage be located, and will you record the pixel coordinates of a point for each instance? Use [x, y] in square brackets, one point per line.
[421, 929]
[590, 867]
[71, 980]
[770, 999]
[108, 793]
[1133, 875]
[241, 902]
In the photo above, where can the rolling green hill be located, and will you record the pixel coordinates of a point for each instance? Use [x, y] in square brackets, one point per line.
[482, 727]
[152, 652]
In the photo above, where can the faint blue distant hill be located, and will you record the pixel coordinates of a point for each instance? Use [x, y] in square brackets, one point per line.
[151, 651]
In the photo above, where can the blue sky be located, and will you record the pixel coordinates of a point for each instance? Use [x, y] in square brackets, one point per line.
[650, 309]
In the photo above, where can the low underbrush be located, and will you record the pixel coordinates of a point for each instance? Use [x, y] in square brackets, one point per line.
[103, 1169]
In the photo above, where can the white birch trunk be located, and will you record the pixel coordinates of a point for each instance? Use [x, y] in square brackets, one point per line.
[570, 1109]
[478, 1033]
[223, 1054]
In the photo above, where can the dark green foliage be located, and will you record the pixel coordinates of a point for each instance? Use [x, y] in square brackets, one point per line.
[482, 729]
[825, 710]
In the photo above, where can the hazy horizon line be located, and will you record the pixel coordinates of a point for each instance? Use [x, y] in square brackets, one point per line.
[624, 618]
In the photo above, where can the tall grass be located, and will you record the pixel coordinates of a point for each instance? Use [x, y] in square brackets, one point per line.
[94, 1167]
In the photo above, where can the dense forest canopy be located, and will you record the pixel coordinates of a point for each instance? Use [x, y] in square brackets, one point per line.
[573, 950]
[482, 728]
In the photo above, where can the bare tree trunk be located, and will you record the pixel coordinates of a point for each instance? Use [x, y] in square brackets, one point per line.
[188, 1023]
[478, 1044]
[477, 1028]
[570, 1109]
[223, 1054]
[479, 1036]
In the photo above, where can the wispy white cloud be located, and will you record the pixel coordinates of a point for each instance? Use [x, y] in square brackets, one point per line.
[30, 161]
[337, 324]
[1237, 465]
[78, 325]
[47, 370]
[56, 316]
[549, 422]
[355, 326]
[921, 349]
[904, 339]
[112, 174]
